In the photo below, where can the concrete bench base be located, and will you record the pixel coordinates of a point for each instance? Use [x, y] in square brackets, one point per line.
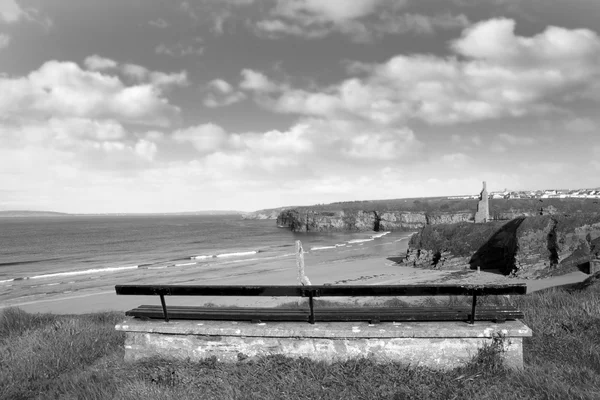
[440, 345]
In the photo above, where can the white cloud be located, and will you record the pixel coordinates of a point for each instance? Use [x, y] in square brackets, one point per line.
[580, 125]
[178, 50]
[63, 89]
[221, 85]
[494, 40]
[333, 10]
[161, 79]
[499, 75]
[78, 142]
[98, 63]
[361, 20]
[257, 81]
[418, 23]
[206, 138]
[159, 23]
[4, 40]
[10, 11]
[514, 140]
[455, 159]
[221, 94]
[135, 71]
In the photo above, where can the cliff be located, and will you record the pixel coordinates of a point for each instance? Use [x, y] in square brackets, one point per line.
[412, 214]
[528, 247]
[308, 220]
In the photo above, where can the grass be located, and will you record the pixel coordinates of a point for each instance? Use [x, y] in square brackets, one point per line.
[81, 357]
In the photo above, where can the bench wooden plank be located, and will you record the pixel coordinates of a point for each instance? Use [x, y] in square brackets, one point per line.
[330, 314]
[322, 290]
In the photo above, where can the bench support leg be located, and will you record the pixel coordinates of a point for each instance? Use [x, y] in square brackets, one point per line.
[164, 307]
[311, 319]
[473, 309]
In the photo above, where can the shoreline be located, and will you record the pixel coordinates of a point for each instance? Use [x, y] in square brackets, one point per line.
[372, 271]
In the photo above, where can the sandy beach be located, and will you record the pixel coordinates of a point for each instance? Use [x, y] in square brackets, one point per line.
[85, 294]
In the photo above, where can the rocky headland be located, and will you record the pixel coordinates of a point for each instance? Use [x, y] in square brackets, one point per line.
[413, 214]
[360, 220]
[527, 247]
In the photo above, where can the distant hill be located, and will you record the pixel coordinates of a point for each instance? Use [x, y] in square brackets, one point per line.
[26, 213]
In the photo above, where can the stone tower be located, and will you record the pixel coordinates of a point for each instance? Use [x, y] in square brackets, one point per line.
[483, 207]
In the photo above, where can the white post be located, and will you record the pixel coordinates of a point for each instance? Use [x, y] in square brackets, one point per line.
[303, 279]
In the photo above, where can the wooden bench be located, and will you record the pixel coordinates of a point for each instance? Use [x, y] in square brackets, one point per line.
[373, 315]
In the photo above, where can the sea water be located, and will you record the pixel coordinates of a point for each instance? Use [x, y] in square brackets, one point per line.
[38, 248]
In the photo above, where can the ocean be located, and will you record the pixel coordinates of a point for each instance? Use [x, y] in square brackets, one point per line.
[53, 247]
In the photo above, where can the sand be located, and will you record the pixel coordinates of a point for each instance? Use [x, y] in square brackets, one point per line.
[92, 293]
[86, 294]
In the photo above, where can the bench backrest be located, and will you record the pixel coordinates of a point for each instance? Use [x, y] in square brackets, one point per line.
[322, 290]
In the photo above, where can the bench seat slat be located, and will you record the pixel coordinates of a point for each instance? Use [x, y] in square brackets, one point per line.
[328, 314]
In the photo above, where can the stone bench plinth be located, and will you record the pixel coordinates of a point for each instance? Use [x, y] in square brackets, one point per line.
[439, 345]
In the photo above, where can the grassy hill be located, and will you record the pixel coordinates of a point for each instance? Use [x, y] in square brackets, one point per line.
[27, 213]
[81, 357]
[443, 204]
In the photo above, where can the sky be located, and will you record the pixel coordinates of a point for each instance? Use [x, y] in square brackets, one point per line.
[121, 106]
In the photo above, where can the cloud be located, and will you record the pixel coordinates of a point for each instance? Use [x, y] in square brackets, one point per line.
[159, 23]
[502, 142]
[98, 63]
[160, 79]
[63, 89]
[206, 138]
[135, 71]
[455, 159]
[514, 140]
[495, 41]
[258, 82]
[4, 40]
[221, 94]
[178, 50]
[81, 143]
[495, 74]
[10, 11]
[361, 20]
[302, 149]
[580, 125]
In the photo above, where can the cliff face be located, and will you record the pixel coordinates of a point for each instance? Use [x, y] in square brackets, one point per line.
[359, 220]
[525, 247]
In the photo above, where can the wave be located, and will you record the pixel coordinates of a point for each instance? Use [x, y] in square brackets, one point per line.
[378, 235]
[184, 264]
[242, 253]
[226, 255]
[361, 240]
[201, 257]
[84, 272]
[322, 248]
[7, 281]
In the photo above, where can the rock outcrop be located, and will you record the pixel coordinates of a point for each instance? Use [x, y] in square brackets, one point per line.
[529, 247]
[359, 220]
[271, 213]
